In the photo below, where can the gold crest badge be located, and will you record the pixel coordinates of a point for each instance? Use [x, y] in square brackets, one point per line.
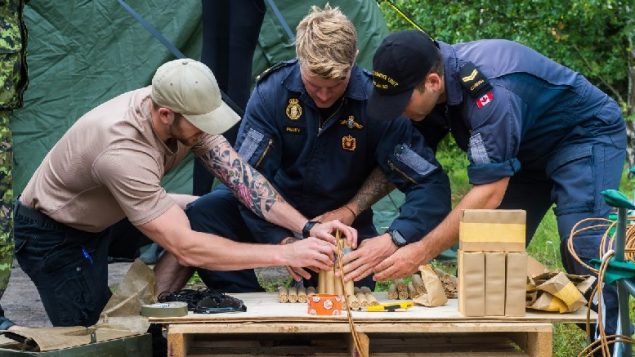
[294, 110]
[349, 143]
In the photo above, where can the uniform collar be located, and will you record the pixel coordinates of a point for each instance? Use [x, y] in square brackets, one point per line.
[357, 87]
[453, 88]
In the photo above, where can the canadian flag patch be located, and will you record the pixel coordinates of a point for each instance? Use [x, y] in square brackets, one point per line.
[485, 100]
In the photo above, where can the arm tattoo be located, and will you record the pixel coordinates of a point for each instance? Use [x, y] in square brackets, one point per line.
[375, 187]
[248, 185]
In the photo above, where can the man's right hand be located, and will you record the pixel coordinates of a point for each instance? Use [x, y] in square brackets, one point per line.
[311, 252]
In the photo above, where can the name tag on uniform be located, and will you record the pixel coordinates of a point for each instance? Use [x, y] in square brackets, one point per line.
[293, 129]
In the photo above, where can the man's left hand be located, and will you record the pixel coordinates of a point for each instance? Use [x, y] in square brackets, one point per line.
[404, 262]
[361, 262]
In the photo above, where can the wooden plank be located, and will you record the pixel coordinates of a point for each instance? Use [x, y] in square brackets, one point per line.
[381, 345]
[264, 307]
[410, 327]
[364, 344]
[539, 344]
[178, 343]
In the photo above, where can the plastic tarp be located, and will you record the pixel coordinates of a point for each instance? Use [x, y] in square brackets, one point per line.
[82, 53]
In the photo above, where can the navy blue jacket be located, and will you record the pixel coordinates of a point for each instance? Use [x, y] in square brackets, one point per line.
[537, 113]
[320, 169]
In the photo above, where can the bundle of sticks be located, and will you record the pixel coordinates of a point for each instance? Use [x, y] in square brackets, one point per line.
[402, 290]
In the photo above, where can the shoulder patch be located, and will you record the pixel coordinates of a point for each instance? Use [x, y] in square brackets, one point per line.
[473, 80]
[272, 69]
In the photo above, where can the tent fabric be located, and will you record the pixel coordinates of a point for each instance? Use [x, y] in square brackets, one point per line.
[82, 53]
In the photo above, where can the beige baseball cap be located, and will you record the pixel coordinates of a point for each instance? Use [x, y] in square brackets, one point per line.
[188, 87]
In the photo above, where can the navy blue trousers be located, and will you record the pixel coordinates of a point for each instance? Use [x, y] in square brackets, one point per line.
[69, 267]
[230, 36]
[217, 212]
[573, 179]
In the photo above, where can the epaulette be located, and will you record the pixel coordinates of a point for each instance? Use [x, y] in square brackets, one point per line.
[473, 80]
[272, 69]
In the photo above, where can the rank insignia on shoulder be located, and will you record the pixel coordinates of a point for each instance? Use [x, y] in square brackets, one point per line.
[294, 109]
[349, 143]
[351, 123]
[270, 70]
[473, 80]
[485, 100]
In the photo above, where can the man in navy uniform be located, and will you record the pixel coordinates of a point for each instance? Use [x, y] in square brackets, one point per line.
[306, 129]
[536, 133]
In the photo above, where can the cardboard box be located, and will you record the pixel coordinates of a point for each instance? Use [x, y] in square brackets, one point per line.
[471, 283]
[492, 230]
[494, 283]
[516, 287]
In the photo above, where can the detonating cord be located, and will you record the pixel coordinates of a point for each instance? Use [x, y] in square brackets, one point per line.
[355, 335]
[605, 251]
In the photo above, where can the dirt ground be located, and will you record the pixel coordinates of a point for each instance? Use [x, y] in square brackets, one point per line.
[21, 301]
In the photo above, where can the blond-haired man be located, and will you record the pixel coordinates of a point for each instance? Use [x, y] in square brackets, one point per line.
[109, 165]
[306, 129]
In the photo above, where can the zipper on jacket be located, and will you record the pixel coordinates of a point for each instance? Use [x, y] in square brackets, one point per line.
[264, 153]
[403, 174]
[339, 107]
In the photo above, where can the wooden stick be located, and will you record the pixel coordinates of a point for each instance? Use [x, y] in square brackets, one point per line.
[354, 303]
[392, 292]
[412, 292]
[283, 294]
[330, 282]
[339, 289]
[418, 283]
[322, 282]
[363, 303]
[401, 286]
[301, 294]
[293, 294]
[372, 300]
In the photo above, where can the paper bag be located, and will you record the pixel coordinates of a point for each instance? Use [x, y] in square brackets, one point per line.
[516, 284]
[435, 294]
[492, 230]
[494, 283]
[471, 283]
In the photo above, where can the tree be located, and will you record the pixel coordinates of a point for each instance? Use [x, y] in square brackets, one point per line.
[595, 38]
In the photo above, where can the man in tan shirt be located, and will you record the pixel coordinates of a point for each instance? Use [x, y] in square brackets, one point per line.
[108, 167]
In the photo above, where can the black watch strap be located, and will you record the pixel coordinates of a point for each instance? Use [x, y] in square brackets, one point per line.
[306, 231]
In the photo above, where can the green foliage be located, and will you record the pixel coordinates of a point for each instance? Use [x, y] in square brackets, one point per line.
[591, 37]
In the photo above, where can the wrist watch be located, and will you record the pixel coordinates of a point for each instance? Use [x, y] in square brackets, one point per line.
[397, 238]
[306, 231]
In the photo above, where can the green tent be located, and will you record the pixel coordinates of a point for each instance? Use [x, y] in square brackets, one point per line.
[82, 53]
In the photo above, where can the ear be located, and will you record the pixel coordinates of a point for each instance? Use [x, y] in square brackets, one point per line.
[166, 116]
[434, 82]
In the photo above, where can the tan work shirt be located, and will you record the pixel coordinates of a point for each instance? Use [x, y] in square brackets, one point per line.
[107, 166]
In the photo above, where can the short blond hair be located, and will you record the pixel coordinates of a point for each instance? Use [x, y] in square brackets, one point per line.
[326, 42]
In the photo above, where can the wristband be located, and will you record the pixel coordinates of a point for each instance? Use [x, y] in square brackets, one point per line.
[351, 210]
[306, 231]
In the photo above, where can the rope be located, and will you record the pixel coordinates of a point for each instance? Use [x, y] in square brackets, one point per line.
[354, 334]
[606, 252]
